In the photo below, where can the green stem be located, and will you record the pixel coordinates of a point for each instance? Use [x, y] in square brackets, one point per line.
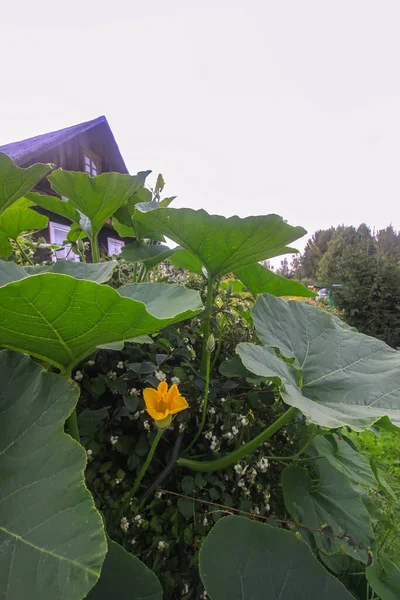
[240, 453]
[95, 249]
[135, 272]
[205, 402]
[144, 468]
[207, 326]
[218, 350]
[72, 424]
[24, 254]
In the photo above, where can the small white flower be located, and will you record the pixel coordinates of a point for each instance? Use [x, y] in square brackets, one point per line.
[185, 589]
[212, 411]
[205, 521]
[120, 365]
[182, 427]
[223, 400]
[209, 435]
[138, 520]
[235, 430]
[89, 452]
[133, 392]
[160, 375]
[78, 376]
[267, 508]
[241, 483]
[113, 440]
[133, 541]
[158, 494]
[238, 469]
[263, 464]
[228, 435]
[175, 380]
[124, 524]
[91, 363]
[161, 546]
[244, 421]
[146, 425]
[117, 481]
[186, 340]
[256, 510]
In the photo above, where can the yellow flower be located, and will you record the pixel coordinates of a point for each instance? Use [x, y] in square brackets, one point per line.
[162, 403]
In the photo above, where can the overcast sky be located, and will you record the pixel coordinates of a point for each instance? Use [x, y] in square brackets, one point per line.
[249, 107]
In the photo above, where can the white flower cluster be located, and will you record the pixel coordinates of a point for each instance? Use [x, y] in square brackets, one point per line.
[175, 380]
[182, 427]
[113, 440]
[138, 520]
[146, 425]
[243, 420]
[133, 392]
[161, 546]
[124, 524]
[78, 376]
[160, 375]
[120, 365]
[158, 494]
[263, 464]
[214, 440]
[91, 363]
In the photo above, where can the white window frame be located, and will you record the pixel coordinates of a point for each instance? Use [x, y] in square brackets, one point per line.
[67, 248]
[114, 241]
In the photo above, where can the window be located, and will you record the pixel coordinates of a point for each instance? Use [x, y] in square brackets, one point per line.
[92, 164]
[58, 234]
[114, 246]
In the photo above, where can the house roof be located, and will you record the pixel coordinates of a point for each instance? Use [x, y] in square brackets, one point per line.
[24, 151]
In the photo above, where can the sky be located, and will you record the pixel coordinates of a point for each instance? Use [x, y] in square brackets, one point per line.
[250, 107]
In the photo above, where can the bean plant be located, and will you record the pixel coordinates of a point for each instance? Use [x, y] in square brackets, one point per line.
[298, 371]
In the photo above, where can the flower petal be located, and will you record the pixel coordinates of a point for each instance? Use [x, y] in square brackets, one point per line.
[177, 404]
[156, 415]
[173, 392]
[162, 387]
[151, 398]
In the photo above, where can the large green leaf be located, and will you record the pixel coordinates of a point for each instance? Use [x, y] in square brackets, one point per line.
[339, 377]
[334, 503]
[123, 218]
[125, 577]
[61, 319]
[260, 280]
[98, 198]
[150, 256]
[183, 259]
[223, 245]
[244, 560]
[15, 221]
[55, 205]
[162, 299]
[10, 271]
[346, 459]
[384, 578]
[15, 182]
[52, 541]
[99, 272]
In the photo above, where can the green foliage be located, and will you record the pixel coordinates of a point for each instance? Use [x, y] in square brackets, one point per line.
[44, 500]
[123, 326]
[323, 365]
[262, 562]
[123, 576]
[74, 316]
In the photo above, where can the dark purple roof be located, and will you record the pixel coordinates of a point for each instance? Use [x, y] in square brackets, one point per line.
[23, 151]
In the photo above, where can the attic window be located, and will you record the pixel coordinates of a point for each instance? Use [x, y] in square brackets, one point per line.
[92, 164]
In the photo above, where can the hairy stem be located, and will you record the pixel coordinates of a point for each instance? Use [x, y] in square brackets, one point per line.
[205, 402]
[207, 326]
[219, 346]
[241, 452]
[144, 468]
[95, 249]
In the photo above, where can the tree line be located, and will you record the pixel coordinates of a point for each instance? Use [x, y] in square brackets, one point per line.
[363, 266]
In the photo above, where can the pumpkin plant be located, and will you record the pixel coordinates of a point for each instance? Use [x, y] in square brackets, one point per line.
[323, 376]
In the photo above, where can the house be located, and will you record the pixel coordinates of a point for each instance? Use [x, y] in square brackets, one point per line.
[88, 147]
